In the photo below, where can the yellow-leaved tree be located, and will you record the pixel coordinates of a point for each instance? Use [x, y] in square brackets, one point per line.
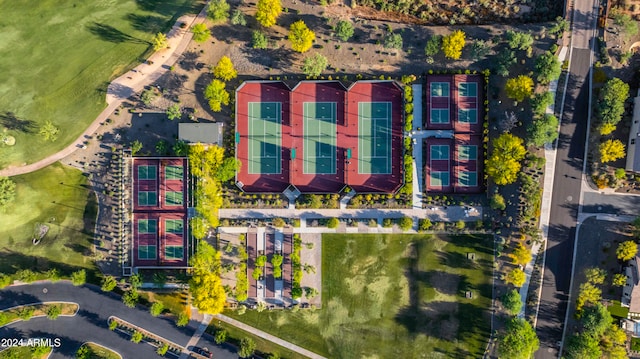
[224, 70]
[521, 255]
[300, 36]
[504, 163]
[268, 11]
[453, 44]
[205, 285]
[611, 150]
[515, 276]
[217, 95]
[519, 88]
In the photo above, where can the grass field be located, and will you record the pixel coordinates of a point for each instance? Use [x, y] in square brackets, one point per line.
[394, 296]
[57, 197]
[58, 57]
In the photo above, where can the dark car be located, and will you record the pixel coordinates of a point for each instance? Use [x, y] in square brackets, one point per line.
[203, 351]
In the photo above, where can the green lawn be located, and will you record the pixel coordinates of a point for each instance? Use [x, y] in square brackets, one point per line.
[394, 296]
[100, 352]
[58, 57]
[57, 197]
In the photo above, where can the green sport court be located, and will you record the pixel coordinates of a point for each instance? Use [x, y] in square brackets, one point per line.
[374, 137]
[319, 137]
[147, 227]
[265, 137]
[173, 172]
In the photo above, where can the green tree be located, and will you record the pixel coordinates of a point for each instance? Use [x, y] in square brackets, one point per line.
[156, 309]
[259, 40]
[333, 222]
[583, 346]
[314, 65]
[48, 131]
[518, 341]
[135, 281]
[515, 276]
[453, 44]
[344, 30]
[205, 285]
[547, 68]
[424, 224]
[611, 101]
[52, 274]
[217, 95]
[174, 112]
[392, 40]
[543, 130]
[619, 280]
[512, 302]
[159, 42]
[519, 40]
[84, 352]
[611, 150]
[130, 298]
[136, 146]
[247, 347]
[200, 32]
[237, 18]
[405, 223]
[559, 27]
[626, 250]
[5, 280]
[79, 277]
[432, 47]
[628, 24]
[136, 337]
[480, 49]
[224, 70]
[504, 163]
[162, 349]
[498, 202]
[147, 96]
[108, 283]
[54, 311]
[268, 11]
[540, 102]
[588, 294]
[595, 275]
[301, 37]
[521, 255]
[182, 320]
[596, 320]
[7, 191]
[113, 325]
[227, 170]
[503, 62]
[162, 147]
[218, 10]
[519, 88]
[39, 351]
[180, 148]
[220, 336]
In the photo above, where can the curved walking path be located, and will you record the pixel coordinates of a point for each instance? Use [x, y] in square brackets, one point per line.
[124, 86]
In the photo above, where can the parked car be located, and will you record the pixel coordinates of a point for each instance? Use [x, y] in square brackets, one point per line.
[203, 351]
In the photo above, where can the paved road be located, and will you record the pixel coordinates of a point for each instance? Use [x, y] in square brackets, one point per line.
[621, 204]
[90, 324]
[566, 186]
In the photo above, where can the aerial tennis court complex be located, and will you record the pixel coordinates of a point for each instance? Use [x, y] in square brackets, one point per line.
[319, 136]
[453, 105]
[159, 214]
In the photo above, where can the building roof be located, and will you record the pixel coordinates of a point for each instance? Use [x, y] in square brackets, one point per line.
[633, 153]
[207, 133]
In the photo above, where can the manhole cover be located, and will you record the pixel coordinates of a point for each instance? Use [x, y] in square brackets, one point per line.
[45, 290]
[569, 198]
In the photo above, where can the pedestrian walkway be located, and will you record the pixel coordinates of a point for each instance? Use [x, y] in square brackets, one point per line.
[196, 335]
[269, 337]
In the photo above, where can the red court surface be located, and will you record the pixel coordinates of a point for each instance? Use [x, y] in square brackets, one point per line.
[159, 233]
[373, 91]
[314, 92]
[262, 91]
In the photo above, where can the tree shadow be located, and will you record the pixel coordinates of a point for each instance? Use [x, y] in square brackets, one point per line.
[9, 120]
[111, 34]
[280, 58]
[149, 23]
[189, 61]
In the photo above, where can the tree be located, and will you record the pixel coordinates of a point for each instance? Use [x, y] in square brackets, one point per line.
[54, 311]
[218, 10]
[540, 102]
[48, 131]
[547, 68]
[498, 202]
[52, 274]
[156, 309]
[595, 275]
[453, 44]
[227, 170]
[424, 224]
[84, 352]
[515, 276]
[113, 325]
[611, 101]
[333, 223]
[543, 130]
[619, 280]
[217, 95]
[79, 277]
[7, 191]
[247, 347]
[276, 261]
[559, 27]
[613, 342]
[611, 150]
[268, 11]
[237, 18]
[5, 280]
[130, 298]
[136, 146]
[259, 40]
[596, 320]
[200, 32]
[147, 96]
[606, 128]
[519, 40]
[405, 223]
[314, 65]
[519, 88]
[135, 281]
[504, 163]
[180, 148]
[162, 349]
[205, 284]
[583, 346]
[512, 302]
[518, 341]
[159, 42]
[629, 25]
[344, 30]
[174, 112]
[136, 337]
[432, 47]
[108, 283]
[162, 147]
[224, 70]
[301, 37]
[626, 250]
[588, 293]
[392, 41]
[182, 320]
[220, 336]
[521, 255]
[503, 62]
[480, 49]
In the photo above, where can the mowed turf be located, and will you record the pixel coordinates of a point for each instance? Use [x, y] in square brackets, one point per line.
[55, 196]
[58, 58]
[394, 296]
